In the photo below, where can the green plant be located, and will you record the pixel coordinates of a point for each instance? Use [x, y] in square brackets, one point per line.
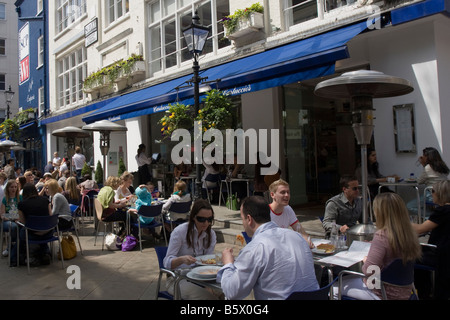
[111, 72]
[231, 22]
[216, 112]
[179, 116]
[22, 116]
[10, 129]
[99, 173]
[122, 167]
[86, 170]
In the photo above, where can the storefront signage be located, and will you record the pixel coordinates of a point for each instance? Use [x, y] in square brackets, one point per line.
[91, 32]
[24, 53]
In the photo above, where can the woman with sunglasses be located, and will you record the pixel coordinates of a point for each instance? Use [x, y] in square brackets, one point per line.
[188, 240]
[438, 225]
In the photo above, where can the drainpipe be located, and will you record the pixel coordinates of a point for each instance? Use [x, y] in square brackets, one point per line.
[267, 27]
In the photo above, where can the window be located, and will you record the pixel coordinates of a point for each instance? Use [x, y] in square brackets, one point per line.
[2, 47]
[40, 6]
[67, 12]
[2, 81]
[2, 11]
[41, 107]
[40, 51]
[167, 19]
[72, 70]
[116, 9]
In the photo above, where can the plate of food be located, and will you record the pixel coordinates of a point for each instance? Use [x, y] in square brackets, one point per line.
[324, 248]
[411, 180]
[204, 273]
[207, 260]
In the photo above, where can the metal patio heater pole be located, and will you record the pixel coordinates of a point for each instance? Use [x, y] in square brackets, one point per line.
[362, 87]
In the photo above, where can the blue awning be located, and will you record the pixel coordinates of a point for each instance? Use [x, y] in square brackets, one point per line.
[305, 59]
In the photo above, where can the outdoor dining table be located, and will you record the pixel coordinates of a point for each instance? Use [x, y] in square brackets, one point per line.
[406, 184]
[184, 274]
[229, 183]
[347, 257]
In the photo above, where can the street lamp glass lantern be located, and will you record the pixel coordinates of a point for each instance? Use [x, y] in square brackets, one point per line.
[195, 36]
[9, 94]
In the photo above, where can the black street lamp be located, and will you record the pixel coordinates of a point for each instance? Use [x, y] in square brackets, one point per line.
[9, 94]
[195, 36]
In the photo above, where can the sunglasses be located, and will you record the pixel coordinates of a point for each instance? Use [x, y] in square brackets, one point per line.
[353, 188]
[203, 219]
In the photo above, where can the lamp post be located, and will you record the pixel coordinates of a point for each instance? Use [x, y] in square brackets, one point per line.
[9, 94]
[195, 36]
[105, 127]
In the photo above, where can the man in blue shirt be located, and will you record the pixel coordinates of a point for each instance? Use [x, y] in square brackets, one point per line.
[274, 264]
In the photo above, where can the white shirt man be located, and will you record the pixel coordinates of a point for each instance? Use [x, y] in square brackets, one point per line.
[281, 212]
[276, 263]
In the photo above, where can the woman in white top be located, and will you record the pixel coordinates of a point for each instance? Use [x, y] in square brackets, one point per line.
[123, 191]
[179, 195]
[187, 241]
[434, 170]
[143, 161]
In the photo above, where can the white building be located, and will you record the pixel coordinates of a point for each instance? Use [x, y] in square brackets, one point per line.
[9, 75]
[270, 72]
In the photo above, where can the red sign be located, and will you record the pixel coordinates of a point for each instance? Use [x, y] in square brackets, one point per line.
[24, 72]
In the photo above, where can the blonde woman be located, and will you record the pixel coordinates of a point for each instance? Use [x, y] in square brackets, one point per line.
[123, 192]
[59, 203]
[72, 192]
[395, 239]
[112, 210]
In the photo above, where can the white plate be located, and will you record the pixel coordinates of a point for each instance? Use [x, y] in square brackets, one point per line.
[411, 180]
[193, 276]
[322, 252]
[201, 260]
[205, 272]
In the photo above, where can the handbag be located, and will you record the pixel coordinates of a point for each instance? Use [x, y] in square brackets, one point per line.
[232, 202]
[68, 247]
[129, 243]
[111, 242]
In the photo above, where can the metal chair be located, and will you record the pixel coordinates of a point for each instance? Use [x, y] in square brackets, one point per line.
[161, 253]
[7, 235]
[153, 211]
[395, 274]
[426, 204]
[42, 224]
[99, 211]
[73, 217]
[324, 293]
[430, 269]
[87, 202]
[178, 207]
[246, 237]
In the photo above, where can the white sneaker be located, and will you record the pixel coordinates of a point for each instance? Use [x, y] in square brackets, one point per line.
[5, 253]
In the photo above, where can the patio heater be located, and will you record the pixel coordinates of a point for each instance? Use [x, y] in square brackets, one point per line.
[361, 87]
[105, 127]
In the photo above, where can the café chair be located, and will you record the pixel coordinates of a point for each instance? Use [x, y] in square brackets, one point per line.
[6, 235]
[180, 208]
[42, 224]
[73, 228]
[432, 270]
[161, 253]
[99, 212]
[152, 211]
[246, 237]
[324, 293]
[395, 274]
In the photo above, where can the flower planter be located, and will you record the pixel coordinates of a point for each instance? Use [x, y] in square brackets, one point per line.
[136, 74]
[247, 26]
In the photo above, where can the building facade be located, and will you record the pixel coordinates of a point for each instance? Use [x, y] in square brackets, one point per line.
[33, 76]
[270, 70]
